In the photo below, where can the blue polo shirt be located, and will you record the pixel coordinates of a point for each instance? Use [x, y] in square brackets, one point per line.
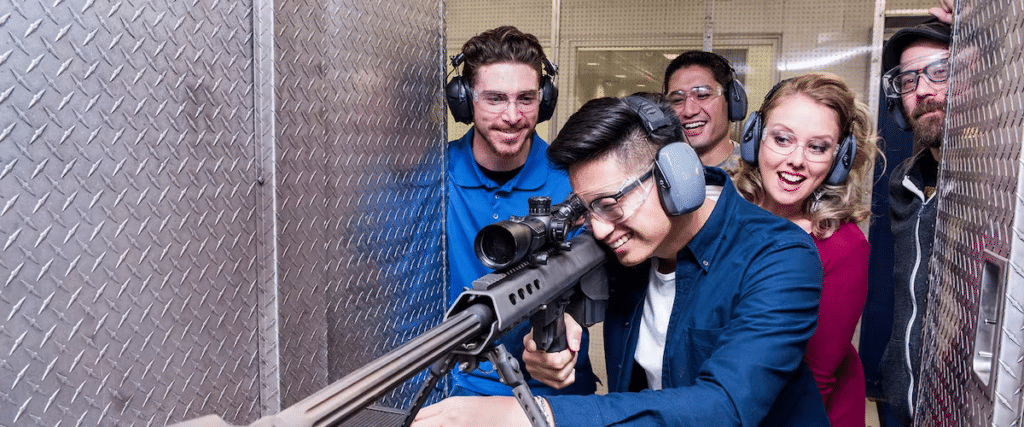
[475, 201]
[746, 302]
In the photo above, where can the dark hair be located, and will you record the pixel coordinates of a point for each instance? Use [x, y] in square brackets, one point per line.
[714, 62]
[502, 44]
[610, 126]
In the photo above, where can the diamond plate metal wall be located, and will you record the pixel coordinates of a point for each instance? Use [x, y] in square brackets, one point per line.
[979, 219]
[205, 205]
[360, 127]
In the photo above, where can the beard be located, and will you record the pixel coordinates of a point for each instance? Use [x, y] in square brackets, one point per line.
[507, 148]
[928, 131]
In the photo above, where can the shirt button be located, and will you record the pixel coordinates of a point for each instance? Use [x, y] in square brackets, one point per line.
[705, 262]
[497, 196]
[495, 216]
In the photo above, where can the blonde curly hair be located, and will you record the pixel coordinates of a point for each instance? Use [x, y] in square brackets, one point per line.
[830, 206]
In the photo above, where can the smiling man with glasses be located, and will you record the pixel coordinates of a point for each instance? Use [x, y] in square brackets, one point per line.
[504, 89]
[703, 91]
[916, 82]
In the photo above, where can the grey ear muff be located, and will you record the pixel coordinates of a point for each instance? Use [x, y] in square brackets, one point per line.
[753, 129]
[680, 178]
[678, 171]
[737, 100]
[841, 166]
[750, 139]
[650, 115]
[459, 94]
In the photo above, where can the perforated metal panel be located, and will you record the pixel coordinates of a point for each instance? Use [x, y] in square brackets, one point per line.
[205, 205]
[979, 221]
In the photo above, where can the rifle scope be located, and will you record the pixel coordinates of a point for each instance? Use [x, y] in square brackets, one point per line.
[506, 243]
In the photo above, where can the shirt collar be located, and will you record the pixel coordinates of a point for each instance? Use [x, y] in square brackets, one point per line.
[705, 244]
[464, 171]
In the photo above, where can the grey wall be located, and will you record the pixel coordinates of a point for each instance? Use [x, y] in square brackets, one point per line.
[204, 204]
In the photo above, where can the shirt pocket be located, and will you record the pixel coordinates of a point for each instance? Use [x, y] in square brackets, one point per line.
[702, 342]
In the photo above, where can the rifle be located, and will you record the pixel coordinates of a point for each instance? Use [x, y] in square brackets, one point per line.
[538, 275]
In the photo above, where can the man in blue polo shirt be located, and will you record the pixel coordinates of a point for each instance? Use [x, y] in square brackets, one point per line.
[495, 167]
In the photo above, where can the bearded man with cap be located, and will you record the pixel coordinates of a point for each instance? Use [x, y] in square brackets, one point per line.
[916, 83]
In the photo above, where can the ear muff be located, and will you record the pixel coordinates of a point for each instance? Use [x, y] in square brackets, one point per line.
[753, 129]
[680, 178]
[899, 115]
[750, 139]
[843, 162]
[459, 94]
[737, 97]
[678, 171]
[549, 92]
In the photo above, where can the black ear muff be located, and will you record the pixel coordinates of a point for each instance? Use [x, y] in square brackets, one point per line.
[845, 154]
[737, 100]
[459, 94]
[677, 169]
[899, 116]
[549, 92]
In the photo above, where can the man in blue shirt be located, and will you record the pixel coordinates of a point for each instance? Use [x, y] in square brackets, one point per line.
[496, 166]
[710, 310]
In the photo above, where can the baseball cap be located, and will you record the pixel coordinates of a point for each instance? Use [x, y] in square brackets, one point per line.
[932, 29]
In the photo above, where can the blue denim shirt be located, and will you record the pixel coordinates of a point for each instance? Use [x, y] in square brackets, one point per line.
[747, 292]
[475, 201]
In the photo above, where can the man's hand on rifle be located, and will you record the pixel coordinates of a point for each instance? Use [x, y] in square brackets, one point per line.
[474, 411]
[557, 370]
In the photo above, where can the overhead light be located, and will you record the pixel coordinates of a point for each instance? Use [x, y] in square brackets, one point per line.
[593, 64]
[823, 62]
[621, 76]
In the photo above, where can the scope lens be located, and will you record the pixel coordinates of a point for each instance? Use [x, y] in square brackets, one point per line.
[502, 244]
[498, 246]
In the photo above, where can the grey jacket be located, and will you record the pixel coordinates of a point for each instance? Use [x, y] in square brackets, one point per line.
[912, 207]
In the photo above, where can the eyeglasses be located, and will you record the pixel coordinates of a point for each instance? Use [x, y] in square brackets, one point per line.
[900, 83]
[785, 143]
[497, 102]
[612, 209]
[701, 94]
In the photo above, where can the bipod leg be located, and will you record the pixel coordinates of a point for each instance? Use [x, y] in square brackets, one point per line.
[437, 370]
[508, 369]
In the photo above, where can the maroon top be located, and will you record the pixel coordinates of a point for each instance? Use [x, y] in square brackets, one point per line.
[830, 352]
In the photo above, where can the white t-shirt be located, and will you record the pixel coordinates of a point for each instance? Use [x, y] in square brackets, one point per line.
[712, 191]
[650, 346]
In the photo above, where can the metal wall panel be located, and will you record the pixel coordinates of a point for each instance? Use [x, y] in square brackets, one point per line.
[204, 204]
[979, 220]
[128, 188]
[360, 121]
